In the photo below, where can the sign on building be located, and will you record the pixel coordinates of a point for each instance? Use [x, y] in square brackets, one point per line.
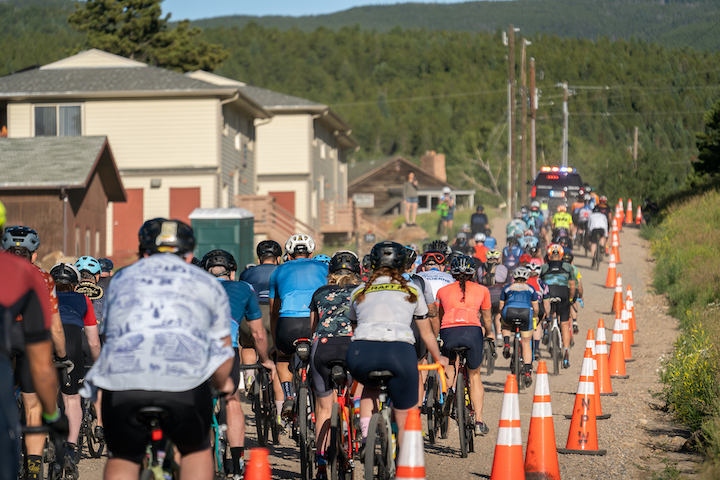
[364, 200]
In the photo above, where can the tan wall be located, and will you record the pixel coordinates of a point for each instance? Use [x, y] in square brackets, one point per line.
[284, 145]
[157, 133]
[299, 186]
[19, 120]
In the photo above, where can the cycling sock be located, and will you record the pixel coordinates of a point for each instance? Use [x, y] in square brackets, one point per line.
[33, 466]
[278, 405]
[237, 453]
[287, 389]
[506, 340]
[364, 427]
[536, 343]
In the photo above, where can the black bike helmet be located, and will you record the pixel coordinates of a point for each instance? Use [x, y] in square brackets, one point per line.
[20, 237]
[439, 245]
[366, 262]
[410, 257]
[462, 265]
[268, 248]
[219, 258]
[65, 273]
[568, 256]
[161, 235]
[106, 265]
[388, 254]
[344, 260]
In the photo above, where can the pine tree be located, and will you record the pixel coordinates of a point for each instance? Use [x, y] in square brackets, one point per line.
[708, 142]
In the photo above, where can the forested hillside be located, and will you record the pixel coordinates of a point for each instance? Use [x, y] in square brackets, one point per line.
[408, 91]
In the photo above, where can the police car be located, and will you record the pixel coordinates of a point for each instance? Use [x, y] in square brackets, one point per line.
[557, 186]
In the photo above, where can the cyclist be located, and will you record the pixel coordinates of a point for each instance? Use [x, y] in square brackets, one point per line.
[433, 265]
[519, 301]
[480, 248]
[332, 333]
[562, 219]
[581, 216]
[292, 285]
[559, 278]
[77, 314]
[461, 243]
[23, 292]
[167, 325]
[528, 240]
[511, 253]
[598, 228]
[542, 291]
[568, 257]
[603, 207]
[494, 275]
[384, 308]
[461, 304]
[24, 242]
[243, 304]
[516, 227]
[479, 220]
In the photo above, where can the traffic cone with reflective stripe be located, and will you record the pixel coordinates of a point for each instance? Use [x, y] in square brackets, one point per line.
[411, 462]
[582, 437]
[541, 460]
[612, 273]
[638, 217]
[627, 336]
[631, 307]
[617, 353]
[508, 459]
[590, 343]
[628, 213]
[258, 467]
[616, 246]
[603, 370]
[617, 298]
[621, 213]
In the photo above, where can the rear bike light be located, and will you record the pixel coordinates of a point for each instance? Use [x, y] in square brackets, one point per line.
[157, 435]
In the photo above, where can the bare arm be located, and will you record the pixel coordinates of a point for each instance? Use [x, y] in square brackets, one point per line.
[536, 309]
[571, 285]
[434, 316]
[487, 321]
[313, 320]
[93, 338]
[275, 304]
[430, 340]
[44, 374]
[58, 335]
[580, 288]
[223, 372]
[261, 343]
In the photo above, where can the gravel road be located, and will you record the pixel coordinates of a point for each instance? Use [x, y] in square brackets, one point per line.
[639, 437]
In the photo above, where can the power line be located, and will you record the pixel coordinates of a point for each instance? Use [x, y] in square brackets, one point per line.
[612, 114]
[421, 97]
[704, 33]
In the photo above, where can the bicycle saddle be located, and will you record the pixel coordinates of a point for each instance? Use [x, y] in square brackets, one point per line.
[460, 349]
[150, 414]
[381, 375]
[555, 300]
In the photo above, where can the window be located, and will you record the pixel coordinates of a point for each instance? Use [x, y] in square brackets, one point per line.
[58, 121]
[97, 243]
[87, 242]
[77, 241]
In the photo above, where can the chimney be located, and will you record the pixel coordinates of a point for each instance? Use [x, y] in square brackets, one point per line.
[434, 163]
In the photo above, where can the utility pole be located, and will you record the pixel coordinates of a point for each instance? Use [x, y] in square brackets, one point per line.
[523, 128]
[533, 107]
[565, 126]
[635, 146]
[513, 170]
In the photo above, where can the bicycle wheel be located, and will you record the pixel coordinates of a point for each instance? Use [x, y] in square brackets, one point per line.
[489, 358]
[517, 362]
[337, 448]
[377, 450]
[431, 400]
[95, 446]
[306, 460]
[460, 413]
[259, 408]
[556, 350]
[270, 408]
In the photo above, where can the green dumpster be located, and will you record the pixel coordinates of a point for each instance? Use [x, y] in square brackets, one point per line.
[229, 229]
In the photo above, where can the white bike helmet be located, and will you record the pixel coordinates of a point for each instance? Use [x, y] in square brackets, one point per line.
[534, 269]
[300, 243]
[521, 272]
[480, 237]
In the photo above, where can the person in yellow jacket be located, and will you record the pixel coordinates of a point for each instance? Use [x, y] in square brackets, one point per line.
[562, 219]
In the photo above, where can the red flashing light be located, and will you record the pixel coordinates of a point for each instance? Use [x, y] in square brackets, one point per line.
[533, 191]
[157, 435]
[553, 177]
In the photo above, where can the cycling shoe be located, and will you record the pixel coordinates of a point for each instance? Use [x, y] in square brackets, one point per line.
[566, 360]
[506, 351]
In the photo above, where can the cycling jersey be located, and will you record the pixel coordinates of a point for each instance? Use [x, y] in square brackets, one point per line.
[294, 283]
[518, 295]
[385, 314]
[76, 309]
[331, 304]
[557, 273]
[584, 214]
[527, 242]
[459, 312]
[516, 227]
[598, 221]
[562, 220]
[259, 277]
[511, 256]
[480, 251]
[423, 286]
[243, 304]
[436, 279]
[540, 287]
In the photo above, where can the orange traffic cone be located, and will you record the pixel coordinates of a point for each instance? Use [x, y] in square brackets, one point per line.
[601, 352]
[411, 462]
[628, 213]
[616, 246]
[617, 298]
[631, 307]
[621, 213]
[541, 460]
[590, 343]
[258, 468]
[582, 437]
[508, 459]
[612, 273]
[638, 217]
[627, 341]
[617, 353]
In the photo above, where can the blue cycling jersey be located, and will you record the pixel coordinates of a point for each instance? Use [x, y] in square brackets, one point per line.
[518, 295]
[528, 241]
[294, 283]
[243, 304]
[259, 277]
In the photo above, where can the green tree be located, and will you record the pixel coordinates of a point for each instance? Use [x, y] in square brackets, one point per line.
[708, 142]
[135, 29]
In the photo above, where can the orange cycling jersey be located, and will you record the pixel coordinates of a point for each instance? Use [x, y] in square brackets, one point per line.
[459, 313]
[480, 251]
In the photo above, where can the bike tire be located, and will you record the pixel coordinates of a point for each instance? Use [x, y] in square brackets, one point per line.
[271, 409]
[556, 349]
[443, 422]
[95, 446]
[460, 412]
[490, 359]
[599, 256]
[261, 417]
[337, 449]
[517, 360]
[431, 400]
[377, 449]
[306, 460]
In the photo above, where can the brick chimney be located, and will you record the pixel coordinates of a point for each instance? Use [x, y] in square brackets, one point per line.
[434, 163]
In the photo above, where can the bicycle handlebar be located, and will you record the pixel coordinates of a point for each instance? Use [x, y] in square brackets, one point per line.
[441, 373]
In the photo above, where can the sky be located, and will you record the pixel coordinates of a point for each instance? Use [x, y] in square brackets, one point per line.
[195, 9]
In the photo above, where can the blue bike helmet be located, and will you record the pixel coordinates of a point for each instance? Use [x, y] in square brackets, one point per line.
[88, 263]
[323, 258]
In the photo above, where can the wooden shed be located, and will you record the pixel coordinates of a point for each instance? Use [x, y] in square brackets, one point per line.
[60, 186]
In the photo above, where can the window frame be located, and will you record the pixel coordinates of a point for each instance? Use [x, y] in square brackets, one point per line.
[57, 106]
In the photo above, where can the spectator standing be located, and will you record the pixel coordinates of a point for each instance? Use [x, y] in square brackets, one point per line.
[410, 193]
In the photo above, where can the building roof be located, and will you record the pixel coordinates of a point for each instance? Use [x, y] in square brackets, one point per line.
[55, 163]
[361, 171]
[277, 100]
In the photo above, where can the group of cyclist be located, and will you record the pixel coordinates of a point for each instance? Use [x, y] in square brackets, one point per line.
[169, 327]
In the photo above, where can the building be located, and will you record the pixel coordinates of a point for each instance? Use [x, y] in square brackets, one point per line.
[61, 187]
[376, 186]
[179, 143]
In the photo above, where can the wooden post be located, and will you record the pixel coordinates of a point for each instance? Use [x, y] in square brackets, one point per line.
[635, 145]
[533, 107]
[523, 128]
[513, 169]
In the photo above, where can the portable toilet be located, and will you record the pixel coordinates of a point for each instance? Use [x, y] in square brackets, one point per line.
[229, 229]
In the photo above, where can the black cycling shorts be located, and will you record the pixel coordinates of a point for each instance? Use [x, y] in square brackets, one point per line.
[9, 423]
[74, 349]
[467, 336]
[324, 351]
[596, 235]
[187, 426]
[524, 314]
[365, 356]
[563, 307]
[22, 366]
[289, 329]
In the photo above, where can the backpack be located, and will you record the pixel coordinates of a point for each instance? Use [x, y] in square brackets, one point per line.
[556, 274]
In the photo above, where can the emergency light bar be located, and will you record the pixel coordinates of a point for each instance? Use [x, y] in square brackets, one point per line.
[557, 169]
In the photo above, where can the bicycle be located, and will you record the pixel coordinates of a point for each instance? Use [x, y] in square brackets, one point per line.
[344, 442]
[489, 355]
[459, 405]
[218, 438]
[379, 446]
[159, 462]
[516, 361]
[555, 335]
[87, 430]
[263, 406]
[303, 418]
[53, 444]
[437, 423]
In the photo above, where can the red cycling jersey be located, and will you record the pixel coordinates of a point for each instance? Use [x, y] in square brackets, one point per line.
[459, 312]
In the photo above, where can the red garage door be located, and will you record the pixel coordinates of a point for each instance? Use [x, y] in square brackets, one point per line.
[182, 202]
[127, 220]
[285, 199]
